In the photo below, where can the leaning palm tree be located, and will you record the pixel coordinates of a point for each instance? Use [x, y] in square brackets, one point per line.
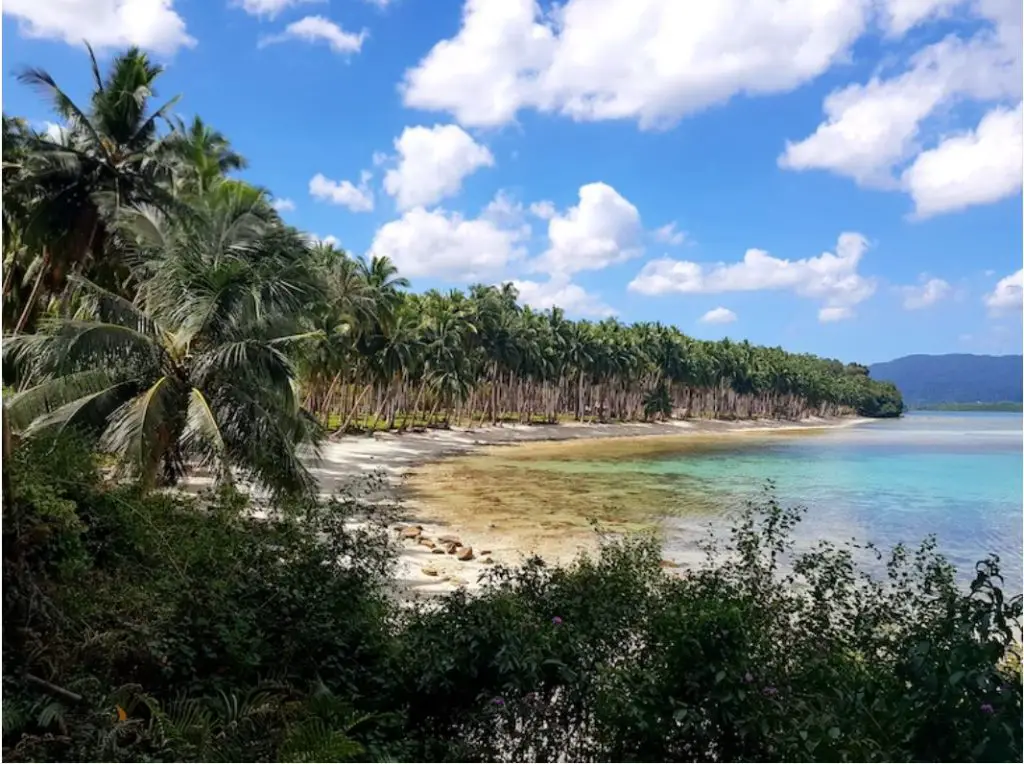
[194, 371]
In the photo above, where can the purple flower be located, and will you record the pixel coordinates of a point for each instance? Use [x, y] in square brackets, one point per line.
[557, 620]
[498, 701]
[986, 708]
[748, 677]
[770, 692]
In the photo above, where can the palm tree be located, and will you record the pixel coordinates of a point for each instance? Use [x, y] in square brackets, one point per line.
[200, 154]
[108, 156]
[195, 370]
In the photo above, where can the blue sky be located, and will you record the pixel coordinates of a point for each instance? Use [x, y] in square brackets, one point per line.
[835, 176]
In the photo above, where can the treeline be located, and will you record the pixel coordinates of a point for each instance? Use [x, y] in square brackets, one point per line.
[157, 303]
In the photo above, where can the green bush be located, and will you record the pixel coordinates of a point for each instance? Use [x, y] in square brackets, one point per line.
[147, 626]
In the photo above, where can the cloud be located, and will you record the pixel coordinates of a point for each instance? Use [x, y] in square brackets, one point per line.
[718, 316]
[543, 209]
[284, 205]
[977, 167]
[873, 132]
[926, 294]
[834, 313]
[653, 61]
[900, 16]
[330, 241]
[1007, 296]
[269, 8]
[432, 163]
[602, 229]
[872, 128]
[830, 278]
[668, 234]
[344, 193]
[315, 29]
[438, 243]
[150, 24]
[561, 293]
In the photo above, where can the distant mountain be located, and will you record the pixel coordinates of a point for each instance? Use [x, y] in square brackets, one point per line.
[956, 378]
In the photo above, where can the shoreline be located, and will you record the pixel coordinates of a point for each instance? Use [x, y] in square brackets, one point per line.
[399, 458]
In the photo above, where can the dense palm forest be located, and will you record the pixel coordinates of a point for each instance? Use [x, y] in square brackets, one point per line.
[159, 315]
[157, 301]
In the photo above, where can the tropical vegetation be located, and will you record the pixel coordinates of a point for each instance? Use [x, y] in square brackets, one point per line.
[142, 626]
[159, 316]
[163, 305]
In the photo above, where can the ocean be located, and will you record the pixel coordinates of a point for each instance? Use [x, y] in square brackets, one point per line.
[955, 475]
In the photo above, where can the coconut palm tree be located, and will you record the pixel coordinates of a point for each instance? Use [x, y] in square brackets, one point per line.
[200, 155]
[106, 156]
[196, 370]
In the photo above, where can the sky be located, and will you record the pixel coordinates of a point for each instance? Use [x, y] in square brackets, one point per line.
[840, 177]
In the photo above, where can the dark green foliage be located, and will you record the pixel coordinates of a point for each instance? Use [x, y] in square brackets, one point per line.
[146, 626]
[955, 378]
[881, 400]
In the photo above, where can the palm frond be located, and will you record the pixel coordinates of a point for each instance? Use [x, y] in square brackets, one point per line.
[28, 405]
[89, 412]
[142, 430]
[202, 437]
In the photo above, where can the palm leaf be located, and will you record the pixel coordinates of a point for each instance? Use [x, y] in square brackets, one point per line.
[49, 395]
[90, 411]
[142, 430]
[202, 435]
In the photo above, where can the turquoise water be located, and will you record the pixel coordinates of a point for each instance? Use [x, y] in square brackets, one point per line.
[955, 475]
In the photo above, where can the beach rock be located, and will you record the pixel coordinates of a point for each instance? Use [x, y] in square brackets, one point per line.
[485, 552]
[412, 532]
[451, 548]
[437, 550]
[430, 571]
[466, 554]
[426, 542]
[487, 561]
[450, 540]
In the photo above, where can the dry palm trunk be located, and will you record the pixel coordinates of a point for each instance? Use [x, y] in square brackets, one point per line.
[355, 408]
[415, 407]
[34, 294]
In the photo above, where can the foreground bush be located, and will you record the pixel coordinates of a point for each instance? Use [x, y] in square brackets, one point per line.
[150, 627]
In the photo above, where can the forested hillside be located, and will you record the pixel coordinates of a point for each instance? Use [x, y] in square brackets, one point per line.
[954, 378]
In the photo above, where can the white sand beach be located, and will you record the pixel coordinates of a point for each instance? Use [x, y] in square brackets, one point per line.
[425, 565]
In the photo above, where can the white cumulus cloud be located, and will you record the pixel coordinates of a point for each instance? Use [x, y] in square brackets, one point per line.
[443, 244]
[343, 193]
[284, 205]
[315, 29]
[270, 8]
[875, 132]
[432, 163]
[718, 316]
[925, 294]
[830, 278]
[977, 167]
[652, 61]
[602, 229]
[150, 24]
[559, 292]
[1007, 296]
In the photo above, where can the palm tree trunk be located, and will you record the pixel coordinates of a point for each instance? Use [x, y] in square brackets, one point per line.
[34, 294]
[355, 408]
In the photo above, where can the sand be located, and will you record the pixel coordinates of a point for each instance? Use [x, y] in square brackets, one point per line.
[414, 465]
